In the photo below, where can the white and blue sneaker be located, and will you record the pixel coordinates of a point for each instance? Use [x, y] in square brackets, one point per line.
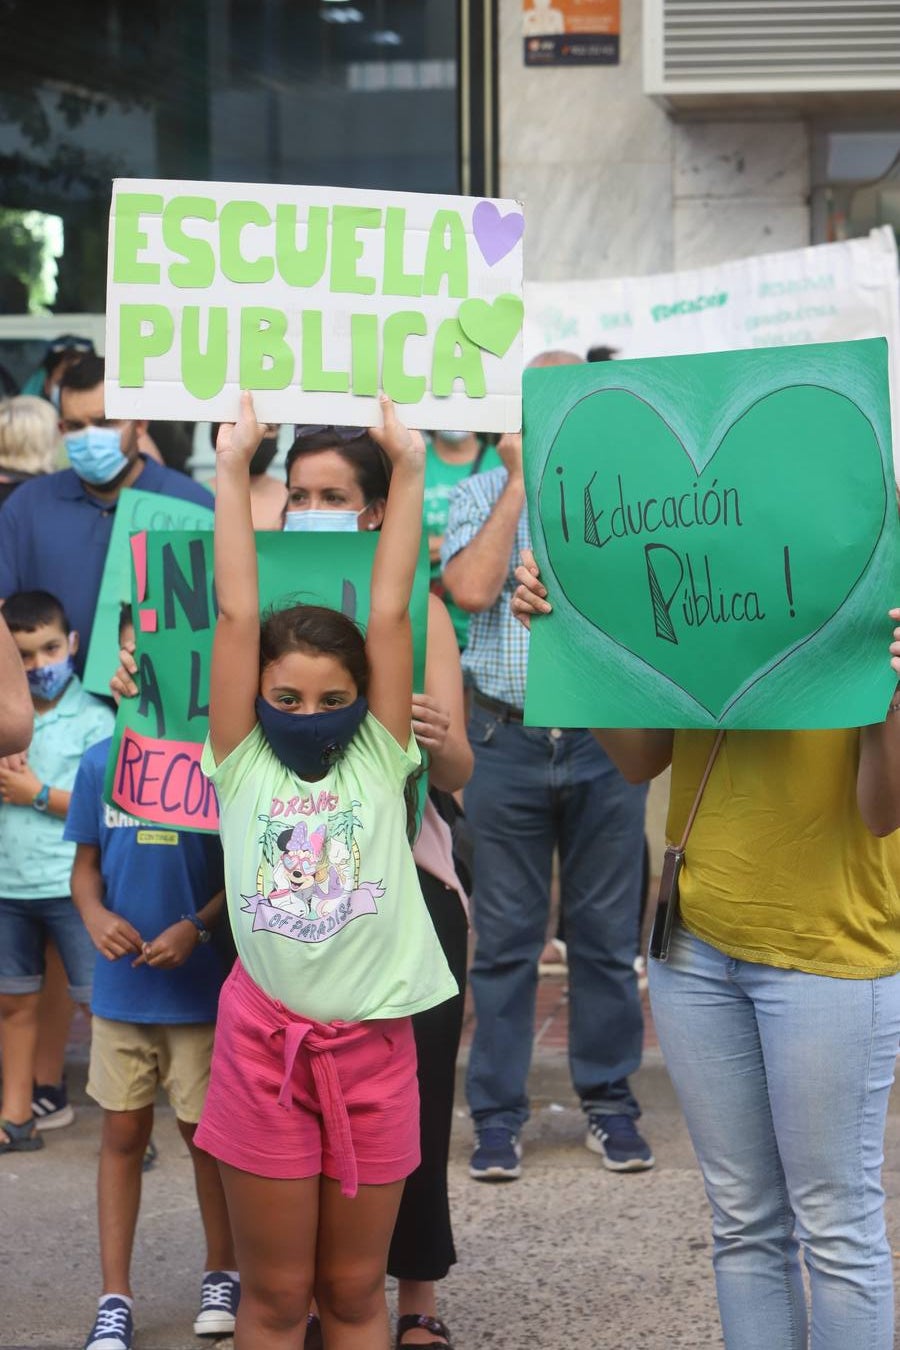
[220, 1295]
[114, 1327]
[619, 1142]
[497, 1156]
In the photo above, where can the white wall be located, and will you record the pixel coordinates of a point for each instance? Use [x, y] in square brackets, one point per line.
[613, 187]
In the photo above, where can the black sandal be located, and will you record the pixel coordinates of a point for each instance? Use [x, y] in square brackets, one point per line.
[22, 1138]
[432, 1324]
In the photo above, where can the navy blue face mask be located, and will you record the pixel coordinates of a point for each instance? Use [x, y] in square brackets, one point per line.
[308, 744]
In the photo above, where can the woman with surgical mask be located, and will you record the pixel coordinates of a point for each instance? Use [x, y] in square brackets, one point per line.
[337, 479]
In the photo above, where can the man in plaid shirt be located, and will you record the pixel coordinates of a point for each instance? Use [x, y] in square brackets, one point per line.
[536, 790]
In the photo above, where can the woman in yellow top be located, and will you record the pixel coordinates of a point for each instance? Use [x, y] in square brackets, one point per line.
[778, 1010]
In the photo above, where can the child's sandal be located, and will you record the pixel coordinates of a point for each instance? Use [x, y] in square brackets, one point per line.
[433, 1324]
[22, 1138]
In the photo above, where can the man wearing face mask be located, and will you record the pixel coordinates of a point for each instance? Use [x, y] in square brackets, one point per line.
[268, 494]
[451, 456]
[55, 530]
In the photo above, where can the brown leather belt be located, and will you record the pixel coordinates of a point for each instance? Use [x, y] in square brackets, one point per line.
[504, 712]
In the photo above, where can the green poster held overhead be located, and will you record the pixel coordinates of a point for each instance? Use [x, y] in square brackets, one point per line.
[135, 511]
[719, 538]
[153, 772]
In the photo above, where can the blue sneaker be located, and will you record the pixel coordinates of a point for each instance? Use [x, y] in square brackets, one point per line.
[619, 1143]
[497, 1156]
[114, 1327]
[219, 1299]
[50, 1106]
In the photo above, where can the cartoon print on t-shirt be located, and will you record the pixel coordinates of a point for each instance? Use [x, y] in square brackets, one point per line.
[307, 884]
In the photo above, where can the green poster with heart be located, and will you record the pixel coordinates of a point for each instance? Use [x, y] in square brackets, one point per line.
[719, 539]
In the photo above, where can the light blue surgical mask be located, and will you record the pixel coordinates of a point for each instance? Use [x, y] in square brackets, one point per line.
[95, 453]
[323, 521]
[453, 437]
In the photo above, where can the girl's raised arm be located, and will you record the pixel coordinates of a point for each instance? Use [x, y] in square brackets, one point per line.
[389, 637]
[234, 680]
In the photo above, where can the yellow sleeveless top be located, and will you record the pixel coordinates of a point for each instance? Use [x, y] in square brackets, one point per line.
[780, 868]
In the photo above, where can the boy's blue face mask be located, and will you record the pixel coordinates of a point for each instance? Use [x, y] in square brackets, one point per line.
[96, 455]
[309, 743]
[48, 682]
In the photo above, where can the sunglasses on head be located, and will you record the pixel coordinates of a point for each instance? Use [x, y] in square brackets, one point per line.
[339, 433]
[66, 344]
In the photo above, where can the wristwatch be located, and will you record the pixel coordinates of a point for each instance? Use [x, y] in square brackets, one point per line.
[203, 933]
[41, 802]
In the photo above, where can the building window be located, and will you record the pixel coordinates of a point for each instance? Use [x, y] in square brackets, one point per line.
[856, 176]
[351, 93]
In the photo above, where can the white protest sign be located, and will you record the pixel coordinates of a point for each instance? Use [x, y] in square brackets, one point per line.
[315, 299]
[826, 293]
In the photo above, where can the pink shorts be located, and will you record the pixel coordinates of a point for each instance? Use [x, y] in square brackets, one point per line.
[291, 1098]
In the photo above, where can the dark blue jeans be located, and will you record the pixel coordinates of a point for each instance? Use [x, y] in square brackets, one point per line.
[535, 790]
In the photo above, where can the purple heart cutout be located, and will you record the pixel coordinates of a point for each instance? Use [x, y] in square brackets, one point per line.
[496, 235]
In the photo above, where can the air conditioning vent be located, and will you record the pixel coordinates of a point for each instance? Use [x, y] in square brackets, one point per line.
[703, 47]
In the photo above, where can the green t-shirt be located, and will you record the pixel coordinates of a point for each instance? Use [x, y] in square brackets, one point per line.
[440, 481]
[324, 901]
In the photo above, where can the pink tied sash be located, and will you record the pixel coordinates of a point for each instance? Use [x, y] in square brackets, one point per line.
[319, 1040]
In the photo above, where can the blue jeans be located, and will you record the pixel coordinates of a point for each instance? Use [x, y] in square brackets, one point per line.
[533, 791]
[25, 926]
[784, 1080]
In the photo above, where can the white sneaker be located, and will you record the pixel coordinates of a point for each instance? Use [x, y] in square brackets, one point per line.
[219, 1299]
[114, 1328]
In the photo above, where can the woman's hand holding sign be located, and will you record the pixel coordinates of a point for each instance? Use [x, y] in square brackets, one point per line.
[530, 596]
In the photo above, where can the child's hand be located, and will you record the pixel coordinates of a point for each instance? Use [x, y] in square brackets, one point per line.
[237, 441]
[122, 684]
[430, 723]
[19, 761]
[18, 786]
[112, 935]
[401, 445]
[171, 949]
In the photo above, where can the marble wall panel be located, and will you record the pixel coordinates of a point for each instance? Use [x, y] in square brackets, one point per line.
[594, 222]
[742, 159]
[613, 187]
[708, 231]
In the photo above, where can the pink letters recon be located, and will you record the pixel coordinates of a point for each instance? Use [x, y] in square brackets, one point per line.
[162, 782]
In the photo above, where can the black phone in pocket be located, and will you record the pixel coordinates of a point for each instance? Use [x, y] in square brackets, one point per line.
[666, 904]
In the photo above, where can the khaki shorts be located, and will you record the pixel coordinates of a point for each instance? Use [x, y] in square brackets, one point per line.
[130, 1060]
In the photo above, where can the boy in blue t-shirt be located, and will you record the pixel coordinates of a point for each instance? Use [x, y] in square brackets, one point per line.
[148, 896]
[35, 902]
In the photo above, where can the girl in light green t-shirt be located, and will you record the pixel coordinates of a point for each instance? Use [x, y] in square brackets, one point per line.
[312, 1109]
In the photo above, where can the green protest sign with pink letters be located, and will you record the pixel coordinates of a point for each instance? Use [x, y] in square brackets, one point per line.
[719, 537]
[153, 772]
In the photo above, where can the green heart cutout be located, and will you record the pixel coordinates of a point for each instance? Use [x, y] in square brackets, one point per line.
[686, 567]
[492, 324]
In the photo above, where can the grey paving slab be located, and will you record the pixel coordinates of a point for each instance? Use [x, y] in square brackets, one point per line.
[570, 1255]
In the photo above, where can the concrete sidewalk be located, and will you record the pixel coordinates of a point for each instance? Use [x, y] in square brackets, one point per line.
[569, 1256]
